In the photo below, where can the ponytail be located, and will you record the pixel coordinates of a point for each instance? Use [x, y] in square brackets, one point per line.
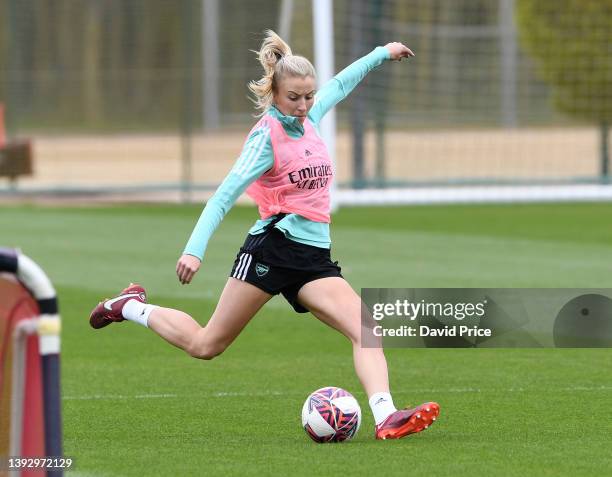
[277, 61]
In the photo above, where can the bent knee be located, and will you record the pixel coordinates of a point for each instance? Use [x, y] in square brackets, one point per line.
[354, 338]
[205, 351]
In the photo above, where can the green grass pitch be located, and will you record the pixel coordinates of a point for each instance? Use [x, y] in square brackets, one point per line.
[133, 405]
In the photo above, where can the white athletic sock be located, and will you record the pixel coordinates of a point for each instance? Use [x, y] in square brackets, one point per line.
[137, 311]
[382, 406]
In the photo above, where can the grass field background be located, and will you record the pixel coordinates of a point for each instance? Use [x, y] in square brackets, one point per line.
[135, 406]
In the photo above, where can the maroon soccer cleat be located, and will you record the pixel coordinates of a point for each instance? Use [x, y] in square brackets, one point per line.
[408, 421]
[109, 310]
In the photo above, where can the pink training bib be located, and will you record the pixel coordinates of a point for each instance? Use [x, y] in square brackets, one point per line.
[299, 181]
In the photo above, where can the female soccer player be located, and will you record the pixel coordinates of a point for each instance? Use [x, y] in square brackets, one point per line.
[284, 166]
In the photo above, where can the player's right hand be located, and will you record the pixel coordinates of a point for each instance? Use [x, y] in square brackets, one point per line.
[186, 268]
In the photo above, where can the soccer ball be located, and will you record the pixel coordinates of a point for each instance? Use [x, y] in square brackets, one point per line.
[331, 415]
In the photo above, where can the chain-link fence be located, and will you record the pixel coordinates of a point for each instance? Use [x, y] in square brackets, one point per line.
[152, 93]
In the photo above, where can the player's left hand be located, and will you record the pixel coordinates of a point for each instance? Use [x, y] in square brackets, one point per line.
[398, 51]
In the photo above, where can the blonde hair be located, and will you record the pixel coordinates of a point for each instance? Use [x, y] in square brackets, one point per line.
[277, 60]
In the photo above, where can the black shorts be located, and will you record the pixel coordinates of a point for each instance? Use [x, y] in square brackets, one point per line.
[276, 264]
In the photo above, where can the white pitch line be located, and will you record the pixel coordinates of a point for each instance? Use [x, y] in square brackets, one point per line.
[221, 394]
[118, 396]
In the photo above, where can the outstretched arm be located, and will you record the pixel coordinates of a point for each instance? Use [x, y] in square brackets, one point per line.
[256, 158]
[341, 85]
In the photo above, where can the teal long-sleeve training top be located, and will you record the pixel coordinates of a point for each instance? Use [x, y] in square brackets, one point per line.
[257, 157]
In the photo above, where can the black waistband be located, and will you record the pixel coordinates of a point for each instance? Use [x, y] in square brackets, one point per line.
[276, 220]
[253, 241]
